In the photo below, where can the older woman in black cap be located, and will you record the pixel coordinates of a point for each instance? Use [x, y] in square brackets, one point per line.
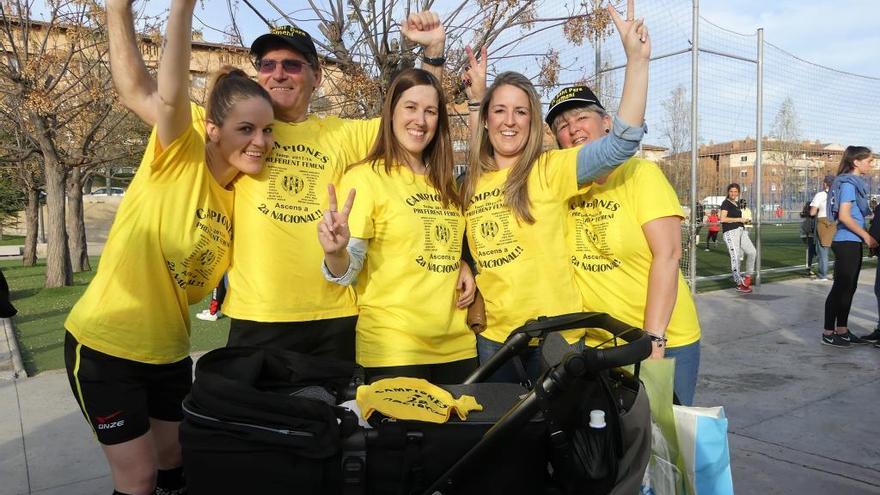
[624, 237]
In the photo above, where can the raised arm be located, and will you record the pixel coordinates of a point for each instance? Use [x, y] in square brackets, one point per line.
[637, 45]
[425, 29]
[172, 111]
[474, 79]
[136, 89]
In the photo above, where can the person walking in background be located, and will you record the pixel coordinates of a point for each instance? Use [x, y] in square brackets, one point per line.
[737, 239]
[848, 204]
[213, 313]
[808, 233]
[825, 228]
[874, 230]
[714, 223]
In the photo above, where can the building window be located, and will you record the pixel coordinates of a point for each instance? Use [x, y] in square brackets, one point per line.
[743, 173]
[198, 81]
[743, 158]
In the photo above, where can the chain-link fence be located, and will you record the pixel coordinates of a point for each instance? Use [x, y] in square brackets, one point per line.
[808, 115]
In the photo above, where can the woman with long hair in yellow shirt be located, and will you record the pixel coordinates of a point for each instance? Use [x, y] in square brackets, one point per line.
[411, 286]
[127, 340]
[516, 194]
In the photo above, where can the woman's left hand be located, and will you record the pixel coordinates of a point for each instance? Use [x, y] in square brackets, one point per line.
[633, 33]
[657, 352]
[466, 286]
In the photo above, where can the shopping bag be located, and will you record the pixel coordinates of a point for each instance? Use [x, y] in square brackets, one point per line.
[664, 474]
[702, 441]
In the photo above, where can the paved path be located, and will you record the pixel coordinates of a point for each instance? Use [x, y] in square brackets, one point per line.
[803, 417]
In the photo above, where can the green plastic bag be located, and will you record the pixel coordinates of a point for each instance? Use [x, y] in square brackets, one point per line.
[657, 377]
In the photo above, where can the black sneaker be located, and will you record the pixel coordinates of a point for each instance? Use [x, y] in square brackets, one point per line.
[873, 336]
[835, 340]
[852, 339]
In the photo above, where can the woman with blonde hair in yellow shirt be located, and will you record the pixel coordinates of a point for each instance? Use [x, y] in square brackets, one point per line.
[127, 340]
[411, 286]
[516, 195]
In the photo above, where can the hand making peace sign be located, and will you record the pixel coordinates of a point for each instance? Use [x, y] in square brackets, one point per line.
[333, 232]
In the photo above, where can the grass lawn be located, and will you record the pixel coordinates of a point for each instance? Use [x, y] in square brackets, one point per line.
[41, 313]
[12, 240]
[40, 321]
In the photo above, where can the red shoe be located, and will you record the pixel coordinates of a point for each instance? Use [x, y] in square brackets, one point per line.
[747, 281]
[745, 289]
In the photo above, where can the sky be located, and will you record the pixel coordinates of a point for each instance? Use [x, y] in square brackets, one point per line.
[841, 34]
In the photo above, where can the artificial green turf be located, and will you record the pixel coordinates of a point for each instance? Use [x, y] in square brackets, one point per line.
[39, 323]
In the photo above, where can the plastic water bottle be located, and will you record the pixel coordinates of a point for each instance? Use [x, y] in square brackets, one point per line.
[598, 446]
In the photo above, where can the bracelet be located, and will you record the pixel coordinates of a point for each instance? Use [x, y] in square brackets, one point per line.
[474, 105]
[435, 61]
[661, 341]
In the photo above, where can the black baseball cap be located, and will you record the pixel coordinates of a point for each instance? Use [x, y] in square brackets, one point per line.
[291, 36]
[568, 98]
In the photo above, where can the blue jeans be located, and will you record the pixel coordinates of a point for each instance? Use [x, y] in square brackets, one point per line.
[823, 259]
[687, 365]
[507, 373]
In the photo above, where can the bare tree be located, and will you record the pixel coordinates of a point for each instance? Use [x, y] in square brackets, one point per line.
[677, 131]
[363, 47]
[786, 132]
[55, 93]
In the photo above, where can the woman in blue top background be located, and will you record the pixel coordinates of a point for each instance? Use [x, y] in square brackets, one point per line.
[848, 204]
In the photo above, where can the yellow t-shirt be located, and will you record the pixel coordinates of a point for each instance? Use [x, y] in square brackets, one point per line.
[523, 269]
[611, 257]
[167, 249]
[406, 291]
[276, 261]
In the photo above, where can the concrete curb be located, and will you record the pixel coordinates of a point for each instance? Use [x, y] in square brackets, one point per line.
[11, 343]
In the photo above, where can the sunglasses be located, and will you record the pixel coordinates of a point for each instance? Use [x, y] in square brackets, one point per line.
[266, 66]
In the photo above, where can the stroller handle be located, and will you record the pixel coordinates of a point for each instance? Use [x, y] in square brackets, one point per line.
[637, 348]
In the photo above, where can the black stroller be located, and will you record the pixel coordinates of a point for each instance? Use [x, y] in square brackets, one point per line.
[266, 421]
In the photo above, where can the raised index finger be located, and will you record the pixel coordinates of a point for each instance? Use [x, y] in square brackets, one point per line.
[630, 10]
[331, 198]
[472, 60]
[349, 202]
[618, 22]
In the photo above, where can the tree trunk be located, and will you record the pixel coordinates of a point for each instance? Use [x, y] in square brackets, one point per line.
[58, 272]
[31, 226]
[76, 228]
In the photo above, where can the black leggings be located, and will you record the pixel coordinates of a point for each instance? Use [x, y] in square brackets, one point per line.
[847, 265]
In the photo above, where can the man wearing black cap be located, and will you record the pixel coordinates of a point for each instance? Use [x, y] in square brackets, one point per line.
[825, 228]
[277, 294]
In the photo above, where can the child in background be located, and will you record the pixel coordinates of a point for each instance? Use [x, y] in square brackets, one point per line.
[714, 222]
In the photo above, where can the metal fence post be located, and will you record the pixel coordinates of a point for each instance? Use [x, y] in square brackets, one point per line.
[695, 144]
[759, 148]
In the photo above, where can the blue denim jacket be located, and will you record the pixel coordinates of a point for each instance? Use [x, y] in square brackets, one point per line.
[600, 157]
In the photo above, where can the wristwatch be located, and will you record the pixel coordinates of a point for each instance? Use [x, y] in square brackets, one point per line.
[435, 61]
